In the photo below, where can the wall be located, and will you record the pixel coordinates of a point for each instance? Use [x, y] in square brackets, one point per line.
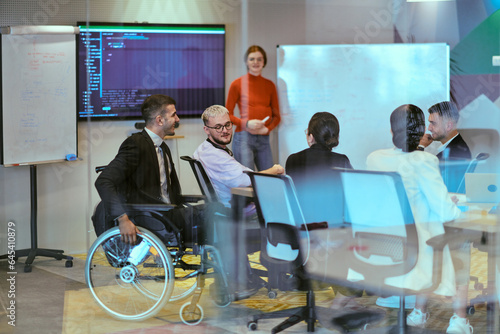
[66, 195]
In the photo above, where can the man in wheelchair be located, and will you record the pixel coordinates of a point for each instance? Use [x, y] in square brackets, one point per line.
[140, 187]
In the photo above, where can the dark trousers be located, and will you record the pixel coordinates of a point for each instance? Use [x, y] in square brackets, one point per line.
[173, 225]
[169, 226]
[234, 242]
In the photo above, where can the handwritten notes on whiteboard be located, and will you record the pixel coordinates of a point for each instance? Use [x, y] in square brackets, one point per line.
[38, 98]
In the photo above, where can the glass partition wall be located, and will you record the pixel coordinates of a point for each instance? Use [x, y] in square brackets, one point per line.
[67, 197]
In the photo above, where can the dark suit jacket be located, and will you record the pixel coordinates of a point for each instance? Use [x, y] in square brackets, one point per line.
[134, 177]
[312, 158]
[317, 187]
[454, 167]
[458, 149]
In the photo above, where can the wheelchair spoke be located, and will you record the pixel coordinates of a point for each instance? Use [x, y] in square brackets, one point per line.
[185, 277]
[130, 282]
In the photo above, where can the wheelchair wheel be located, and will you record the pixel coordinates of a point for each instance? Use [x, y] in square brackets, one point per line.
[129, 282]
[190, 316]
[186, 273]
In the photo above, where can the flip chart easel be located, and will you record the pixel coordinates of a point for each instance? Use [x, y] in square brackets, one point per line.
[38, 111]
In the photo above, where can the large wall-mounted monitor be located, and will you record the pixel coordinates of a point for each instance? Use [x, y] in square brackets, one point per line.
[120, 64]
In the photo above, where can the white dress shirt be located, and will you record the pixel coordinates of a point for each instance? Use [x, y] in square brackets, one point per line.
[222, 169]
[157, 141]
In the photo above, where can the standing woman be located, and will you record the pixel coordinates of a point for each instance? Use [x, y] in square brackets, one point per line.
[257, 100]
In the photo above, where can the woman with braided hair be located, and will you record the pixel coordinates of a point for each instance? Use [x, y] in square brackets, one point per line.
[431, 206]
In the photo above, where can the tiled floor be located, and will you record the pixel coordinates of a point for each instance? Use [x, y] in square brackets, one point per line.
[55, 299]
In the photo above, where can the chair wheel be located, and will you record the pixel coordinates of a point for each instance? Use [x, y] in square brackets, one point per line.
[27, 268]
[252, 325]
[68, 264]
[191, 318]
[272, 294]
[471, 310]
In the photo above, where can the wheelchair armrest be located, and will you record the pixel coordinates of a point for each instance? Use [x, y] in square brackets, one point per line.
[99, 169]
[193, 198]
[151, 207]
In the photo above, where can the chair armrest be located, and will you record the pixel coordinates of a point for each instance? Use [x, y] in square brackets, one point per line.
[314, 226]
[193, 198]
[282, 233]
[453, 238]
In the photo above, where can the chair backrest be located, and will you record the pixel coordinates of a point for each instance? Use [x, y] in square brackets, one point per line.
[470, 169]
[320, 196]
[384, 231]
[277, 204]
[203, 180]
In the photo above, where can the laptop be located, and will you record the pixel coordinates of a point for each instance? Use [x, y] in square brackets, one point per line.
[482, 187]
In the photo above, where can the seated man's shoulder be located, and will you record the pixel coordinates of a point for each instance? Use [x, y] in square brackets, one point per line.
[135, 139]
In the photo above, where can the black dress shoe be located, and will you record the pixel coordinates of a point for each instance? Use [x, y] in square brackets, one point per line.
[171, 240]
[245, 293]
[222, 296]
[253, 284]
[350, 318]
[256, 282]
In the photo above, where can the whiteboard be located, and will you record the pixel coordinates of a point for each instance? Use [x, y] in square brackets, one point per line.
[38, 98]
[361, 85]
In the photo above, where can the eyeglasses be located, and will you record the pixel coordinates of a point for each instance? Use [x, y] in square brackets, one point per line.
[219, 127]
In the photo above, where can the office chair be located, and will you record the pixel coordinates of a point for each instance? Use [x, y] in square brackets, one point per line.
[281, 219]
[223, 215]
[384, 235]
[470, 169]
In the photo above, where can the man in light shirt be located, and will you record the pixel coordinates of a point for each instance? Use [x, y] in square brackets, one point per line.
[222, 168]
[225, 172]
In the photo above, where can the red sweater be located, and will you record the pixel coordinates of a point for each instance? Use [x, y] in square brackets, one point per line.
[256, 98]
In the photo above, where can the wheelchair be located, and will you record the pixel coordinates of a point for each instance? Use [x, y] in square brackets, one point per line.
[135, 282]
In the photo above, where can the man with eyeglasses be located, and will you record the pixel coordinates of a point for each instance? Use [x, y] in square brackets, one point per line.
[221, 167]
[226, 173]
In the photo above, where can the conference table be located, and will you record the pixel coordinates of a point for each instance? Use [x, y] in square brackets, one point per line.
[239, 199]
[476, 223]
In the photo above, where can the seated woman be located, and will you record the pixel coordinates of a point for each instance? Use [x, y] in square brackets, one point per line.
[310, 169]
[431, 206]
[322, 136]
[315, 183]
